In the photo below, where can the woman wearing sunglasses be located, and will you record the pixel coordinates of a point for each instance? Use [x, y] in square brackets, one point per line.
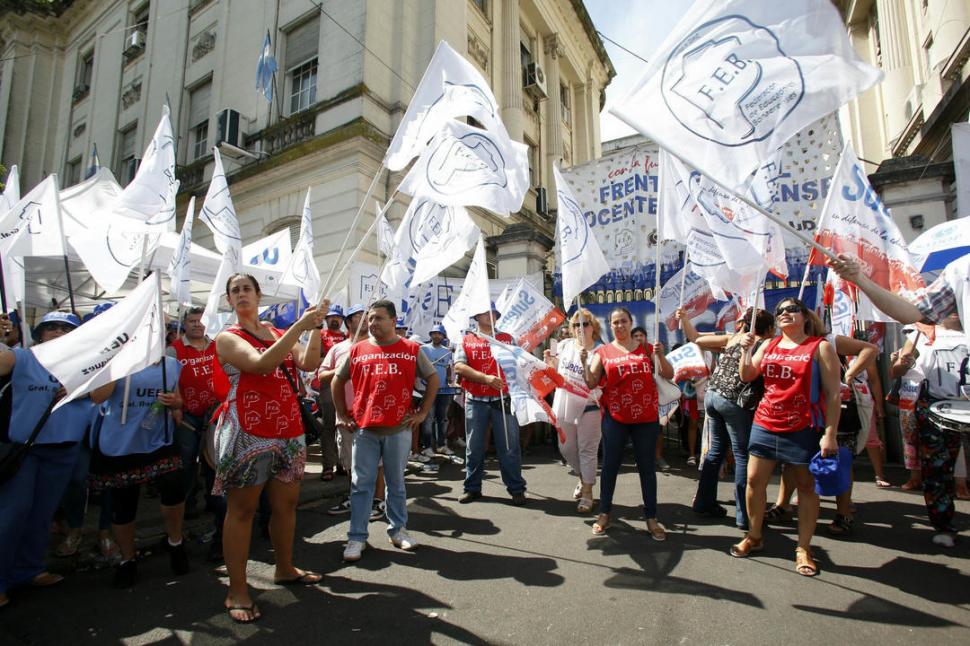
[624, 371]
[729, 413]
[576, 407]
[802, 394]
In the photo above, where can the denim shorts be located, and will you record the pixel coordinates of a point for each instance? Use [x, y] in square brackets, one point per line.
[797, 447]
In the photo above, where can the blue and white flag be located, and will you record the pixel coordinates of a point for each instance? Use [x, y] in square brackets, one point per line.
[147, 199]
[32, 226]
[468, 166]
[735, 79]
[95, 163]
[265, 69]
[580, 257]
[13, 268]
[473, 299]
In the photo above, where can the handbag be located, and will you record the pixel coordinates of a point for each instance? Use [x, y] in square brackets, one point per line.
[312, 426]
[12, 454]
[754, 391]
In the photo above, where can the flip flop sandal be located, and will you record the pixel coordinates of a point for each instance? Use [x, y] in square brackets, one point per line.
[747, 546]
[601, 525]
[307, 578]
[251, 609]
[804, 563]
[883, 484]
[658, 532]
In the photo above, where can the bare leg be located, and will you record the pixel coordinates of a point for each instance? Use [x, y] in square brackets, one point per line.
[173, 515]
[125, 537]
[756, 494]
[807, 503]
[786, 490]
[877, 455]
[237, 529]
[283, 499]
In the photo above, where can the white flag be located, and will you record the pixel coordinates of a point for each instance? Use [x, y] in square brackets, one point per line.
[444, 235]
[13, 268]
[33, 216]
[529, 381]
[581, 259]
[695, 300]
[147, 198]
[473, 299]
[303, 267]
[735, 79]
[467, 166]
[385, 232]
[451, 87]
[179, 268]
[219, 215]
[120, 342]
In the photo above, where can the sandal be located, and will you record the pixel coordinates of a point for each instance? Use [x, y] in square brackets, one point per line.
[747, 546]
[804, 563]
[656, 530]
[585, 505]
[777, 515]
[307, 578]
[882, 484]
[841, 526]
[252, 610]
[601, 524]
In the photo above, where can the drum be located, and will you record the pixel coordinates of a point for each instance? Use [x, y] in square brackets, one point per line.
[950, 415]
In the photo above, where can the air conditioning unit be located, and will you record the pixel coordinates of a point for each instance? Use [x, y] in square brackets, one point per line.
[229, 128]
[535, 81]
[135, 43]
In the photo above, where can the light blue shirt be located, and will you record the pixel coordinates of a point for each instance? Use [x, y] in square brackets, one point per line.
[440, 358]
[33, 390]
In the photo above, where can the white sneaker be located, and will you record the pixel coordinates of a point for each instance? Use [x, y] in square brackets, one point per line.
[401, 540]
[428, 453]
[944, 539]
[444, 450]
[417, 457]
[353, 550]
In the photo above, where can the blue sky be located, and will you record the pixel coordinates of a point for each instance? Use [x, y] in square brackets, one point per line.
[640, 26]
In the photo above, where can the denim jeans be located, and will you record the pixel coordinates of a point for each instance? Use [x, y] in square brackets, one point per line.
[27, 505]
[190, 443]
[615, 436]
[369, 449]
[730, 427]
[436, 423]
[478, 416]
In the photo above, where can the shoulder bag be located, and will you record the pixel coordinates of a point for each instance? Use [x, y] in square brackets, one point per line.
[12, 454]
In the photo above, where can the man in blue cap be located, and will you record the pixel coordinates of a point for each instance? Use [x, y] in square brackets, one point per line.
[330, 335]
[434, 426]
[486, 398]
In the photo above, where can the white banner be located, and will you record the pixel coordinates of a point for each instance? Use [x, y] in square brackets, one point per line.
[219, 215]
[302, 268]
[696, 297]
[688, 362]
[13, 268]
[527, 315]
[473, 299]
[581, 261]
[149, 198]
[32, 225]
[180, 268]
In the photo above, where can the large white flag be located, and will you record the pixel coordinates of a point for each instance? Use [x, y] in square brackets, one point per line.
[855, 222]
[147, 198]
[580, 257]
[303, 268]
[735, 79]
[468, 166]
[179, 268]
[219, 215]
[34, 215]
[527, 315]
[473, 299]
[121, 341]
[451, 87]
[690, 292]
[13, 268]
[385, 232]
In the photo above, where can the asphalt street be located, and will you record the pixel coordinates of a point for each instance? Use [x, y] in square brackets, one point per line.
[492, 573]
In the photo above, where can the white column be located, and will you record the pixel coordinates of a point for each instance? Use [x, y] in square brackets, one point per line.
[553, 133]
[512, 75]
[896, 63]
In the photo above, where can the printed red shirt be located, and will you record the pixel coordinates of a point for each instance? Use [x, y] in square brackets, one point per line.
[195, 383]
[383, 378]
[478, 355]
[328, 339]
[789, 404]
[629, 391]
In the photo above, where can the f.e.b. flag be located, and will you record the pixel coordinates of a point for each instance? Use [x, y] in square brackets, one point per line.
[527, 315]
[303, 268]
[690, 292]
[474, 297]
[735, 79]
[179, 268]
[219, 215]
[580, 257]
[32, 226]
[529, 381]
[148, 198]
[120, 342]
[13, 268]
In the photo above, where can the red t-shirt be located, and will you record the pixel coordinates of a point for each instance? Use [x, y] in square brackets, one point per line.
[195, 381]
[629, 391]
[789, 404]
[328, 339]
[266, 404]
[478, 355]
[383, 378]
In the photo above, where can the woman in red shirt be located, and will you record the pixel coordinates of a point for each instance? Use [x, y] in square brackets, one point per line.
[259, 436]
[629, 403]
[802, 395]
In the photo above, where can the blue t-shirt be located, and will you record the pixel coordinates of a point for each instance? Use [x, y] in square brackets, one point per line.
[440, 358]
[33, 389]
[117, 440]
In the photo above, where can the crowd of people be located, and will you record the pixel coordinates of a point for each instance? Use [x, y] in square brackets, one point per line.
[232, 415]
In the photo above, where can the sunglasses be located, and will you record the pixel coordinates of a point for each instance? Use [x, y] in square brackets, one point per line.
[583, 324]
[788, 309]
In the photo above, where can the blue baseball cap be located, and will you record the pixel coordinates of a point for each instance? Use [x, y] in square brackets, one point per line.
[101, 308]
[356, 308]
[439, 328]
[335, 310]
[52, 318]
[400, 324]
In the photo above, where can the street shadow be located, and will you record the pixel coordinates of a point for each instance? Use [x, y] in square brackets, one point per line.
[877, 610]
[928, 580]
[428, 516]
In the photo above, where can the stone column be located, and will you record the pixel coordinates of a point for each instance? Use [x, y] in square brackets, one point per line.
[512, 72]
[897, 64]
[553, 133]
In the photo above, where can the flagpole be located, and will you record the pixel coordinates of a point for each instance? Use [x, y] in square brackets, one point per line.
[60, 222]
[141, 276]
[501, 392]
[683, 277]
[353, 226]
[161, 315]
[801, 288]
[356, 250]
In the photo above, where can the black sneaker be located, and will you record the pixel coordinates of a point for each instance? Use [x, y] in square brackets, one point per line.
[178, 559]
[469, 496]
[342, 507]
[519, 499]
[126, 574]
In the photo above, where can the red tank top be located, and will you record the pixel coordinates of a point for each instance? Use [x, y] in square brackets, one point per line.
[787, 405]
[383, 378]
[629, 391]
[266, 404]
[478, 355]
[195, 380]
[329, 339]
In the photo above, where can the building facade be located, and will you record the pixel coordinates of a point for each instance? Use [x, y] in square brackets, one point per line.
[902, 127]
[95, 73]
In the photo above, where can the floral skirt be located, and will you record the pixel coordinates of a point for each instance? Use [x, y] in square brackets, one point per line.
[244, 460]
[117, 472]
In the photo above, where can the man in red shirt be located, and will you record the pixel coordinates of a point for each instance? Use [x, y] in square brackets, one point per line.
[382, 370]
[484, 386]
[330, 336]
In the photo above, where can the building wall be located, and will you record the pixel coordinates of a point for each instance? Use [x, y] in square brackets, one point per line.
[335, 145]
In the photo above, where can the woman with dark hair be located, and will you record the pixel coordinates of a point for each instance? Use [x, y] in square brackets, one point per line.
[801, 395]
[623, 369]
[259, 435]
[729, 415]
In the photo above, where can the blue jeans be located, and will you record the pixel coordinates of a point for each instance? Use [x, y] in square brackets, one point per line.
[190, 443]
[75, 500]
[27, 505]
[436, 423]
[369, 449]
[478, 416]
[644, 436]
[730, 426]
